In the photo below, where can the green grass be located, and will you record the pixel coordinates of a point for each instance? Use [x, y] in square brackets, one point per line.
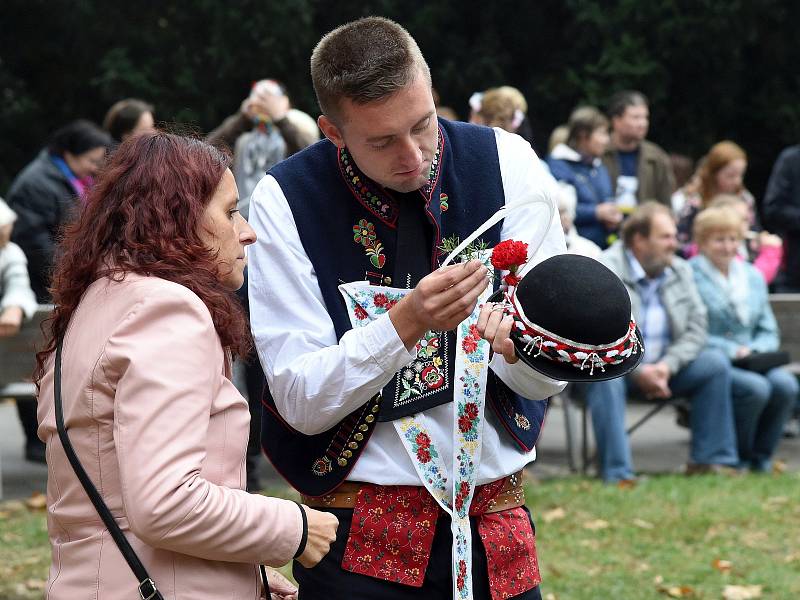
[595, 541]
[673, 528]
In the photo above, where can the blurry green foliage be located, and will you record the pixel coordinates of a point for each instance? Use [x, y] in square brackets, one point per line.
[713, 69]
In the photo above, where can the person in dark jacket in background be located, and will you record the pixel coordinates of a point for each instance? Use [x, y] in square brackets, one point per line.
[46, 191]
[781, 208]
[578, 163]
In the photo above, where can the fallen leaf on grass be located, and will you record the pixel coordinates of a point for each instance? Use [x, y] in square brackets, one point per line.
[723, 566]
[778, 467]
[550, 596]
[642, 567]
[673, 591]
[741, 592]
[643, 524]
[554, 515]
[775, 503]
[677, 591]
[595, 524]
[593, 544]
[37, 501]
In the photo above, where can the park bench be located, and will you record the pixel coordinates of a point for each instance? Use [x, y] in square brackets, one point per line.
[787, 313]
[17, 361]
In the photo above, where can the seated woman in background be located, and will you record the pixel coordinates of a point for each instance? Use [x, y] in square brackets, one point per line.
[578, 164]
[741, 323]
[146, 308]
[761, 248]
[17, 301]
[721, 171]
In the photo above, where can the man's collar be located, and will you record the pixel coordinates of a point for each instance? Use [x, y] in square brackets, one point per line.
[377, 199]
[638, 273]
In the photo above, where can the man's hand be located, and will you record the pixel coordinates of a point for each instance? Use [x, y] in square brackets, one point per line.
[495, 325]
[440, 301]
[263, 103]
[322, 528]
[743, 351]
[608, 214]
[10, 321]
[653, 380]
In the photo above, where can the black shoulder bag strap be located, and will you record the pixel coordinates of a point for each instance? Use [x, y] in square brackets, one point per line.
[147, 588]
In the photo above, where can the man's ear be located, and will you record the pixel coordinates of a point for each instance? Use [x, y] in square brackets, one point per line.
[330, 131]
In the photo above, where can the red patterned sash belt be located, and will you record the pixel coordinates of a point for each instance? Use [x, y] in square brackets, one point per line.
[393, 527]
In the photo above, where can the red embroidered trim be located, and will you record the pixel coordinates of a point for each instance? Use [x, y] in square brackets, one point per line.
[558, 349]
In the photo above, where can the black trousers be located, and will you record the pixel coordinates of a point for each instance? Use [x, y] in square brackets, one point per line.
[328, 581]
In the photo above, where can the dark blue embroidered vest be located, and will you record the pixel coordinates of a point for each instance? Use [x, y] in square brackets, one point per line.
[348, 226]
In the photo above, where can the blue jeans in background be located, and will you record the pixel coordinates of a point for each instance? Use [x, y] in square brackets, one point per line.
[761, 404]
[706, 381]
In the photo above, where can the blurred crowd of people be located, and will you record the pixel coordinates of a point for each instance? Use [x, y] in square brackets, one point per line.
[696, 250]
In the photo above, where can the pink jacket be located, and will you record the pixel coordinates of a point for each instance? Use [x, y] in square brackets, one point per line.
[162, 433]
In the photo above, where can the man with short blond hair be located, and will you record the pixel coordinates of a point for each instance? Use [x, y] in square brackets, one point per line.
[374, 201]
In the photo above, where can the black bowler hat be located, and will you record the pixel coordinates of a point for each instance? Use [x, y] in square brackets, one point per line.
[572, 320]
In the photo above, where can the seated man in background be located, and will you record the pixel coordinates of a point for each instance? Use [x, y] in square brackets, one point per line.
[673, 322]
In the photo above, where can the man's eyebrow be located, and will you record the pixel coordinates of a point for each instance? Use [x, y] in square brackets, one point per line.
[381, 138]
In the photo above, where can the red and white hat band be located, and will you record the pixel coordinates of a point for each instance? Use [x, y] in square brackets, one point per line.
[559, 349]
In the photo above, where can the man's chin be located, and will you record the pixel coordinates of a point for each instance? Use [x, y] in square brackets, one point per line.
[409, 185]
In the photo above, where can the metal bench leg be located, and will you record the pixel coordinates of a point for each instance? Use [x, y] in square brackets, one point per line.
[566, 404]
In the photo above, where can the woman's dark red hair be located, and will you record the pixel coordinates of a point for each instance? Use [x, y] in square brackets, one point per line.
[144, 215]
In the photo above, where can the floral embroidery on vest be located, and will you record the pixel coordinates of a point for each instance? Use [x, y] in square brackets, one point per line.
[427, 372]
[364, 234]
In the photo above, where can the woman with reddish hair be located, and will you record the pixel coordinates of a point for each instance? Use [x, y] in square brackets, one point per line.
[145, 310]
[721, 171]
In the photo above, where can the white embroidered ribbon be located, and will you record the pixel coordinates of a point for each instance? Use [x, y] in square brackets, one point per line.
[452, 492]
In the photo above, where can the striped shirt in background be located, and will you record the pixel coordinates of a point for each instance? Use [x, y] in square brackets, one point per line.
[653, 320]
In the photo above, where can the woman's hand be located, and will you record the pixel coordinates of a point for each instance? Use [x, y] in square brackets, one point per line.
[280, 588]
[322, 528]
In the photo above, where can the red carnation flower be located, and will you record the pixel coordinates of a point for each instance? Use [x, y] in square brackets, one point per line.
[511, 279]
[509, 254]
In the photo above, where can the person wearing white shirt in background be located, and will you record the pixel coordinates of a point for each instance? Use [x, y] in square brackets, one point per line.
[17, 303]
[374, 201]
